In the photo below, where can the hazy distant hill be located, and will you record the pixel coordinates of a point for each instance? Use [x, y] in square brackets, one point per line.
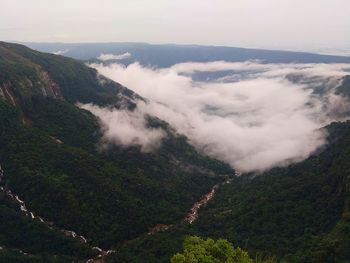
[167, 55]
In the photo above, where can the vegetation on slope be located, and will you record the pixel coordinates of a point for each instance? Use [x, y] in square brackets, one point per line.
[198, 250]
[19, 232]
[285, 209]
[53, 163]
[299, 213]
[26, 73]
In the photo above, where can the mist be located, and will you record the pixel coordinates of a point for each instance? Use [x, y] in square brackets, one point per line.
[107, 57]
[61, 52]
[254, 116]
[125, 128]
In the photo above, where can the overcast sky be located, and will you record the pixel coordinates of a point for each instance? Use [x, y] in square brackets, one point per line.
[287, 24]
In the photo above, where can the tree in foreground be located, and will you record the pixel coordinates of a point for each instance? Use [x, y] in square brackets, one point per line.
[198, 250]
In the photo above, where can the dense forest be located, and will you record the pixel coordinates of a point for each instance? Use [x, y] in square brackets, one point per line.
[296, 214]
[50, 156]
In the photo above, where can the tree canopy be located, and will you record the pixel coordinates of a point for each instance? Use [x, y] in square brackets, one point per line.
[199, 250]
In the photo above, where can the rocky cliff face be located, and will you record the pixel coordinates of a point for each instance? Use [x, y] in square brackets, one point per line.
[17, 91]
[25, 73]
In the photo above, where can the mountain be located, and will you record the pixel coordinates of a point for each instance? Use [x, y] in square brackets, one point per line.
[168, 55]
[64, 198]
[25, 73]
[299, 213]
[55, 179]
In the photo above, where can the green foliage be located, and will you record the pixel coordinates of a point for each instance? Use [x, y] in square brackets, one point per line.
[50, 153]
[106, 196]
[331, 247]
[24, 72]
[198, 250]
[299, 213]
[286, 209]
[15, 256]
[157, 248]
[62, 120]
[254, 214]
[20, 232]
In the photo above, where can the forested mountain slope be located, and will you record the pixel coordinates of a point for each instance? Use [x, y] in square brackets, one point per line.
[50, 158]
[25, 73]
[50, 155]
[298, 214]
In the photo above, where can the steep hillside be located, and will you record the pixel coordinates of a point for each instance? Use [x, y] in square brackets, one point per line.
[25, 73]
[50, 158]
[61, 195]
[299, 213]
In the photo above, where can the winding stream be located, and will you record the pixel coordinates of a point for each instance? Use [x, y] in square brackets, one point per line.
[190, 217]
[193, 214]
[68, 233]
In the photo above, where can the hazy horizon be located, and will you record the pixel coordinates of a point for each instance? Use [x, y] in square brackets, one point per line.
[318, 26]
[332, 52]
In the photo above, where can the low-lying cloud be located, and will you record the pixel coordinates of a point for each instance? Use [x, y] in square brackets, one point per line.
[255, 117]
[125, 128]
[61, 52]
[107, 57]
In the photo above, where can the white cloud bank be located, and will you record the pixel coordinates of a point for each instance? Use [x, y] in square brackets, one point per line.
[125, 128]
[60, 52]
[254, 118]
[107, 57]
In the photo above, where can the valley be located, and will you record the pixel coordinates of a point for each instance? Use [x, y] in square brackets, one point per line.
[71, 191]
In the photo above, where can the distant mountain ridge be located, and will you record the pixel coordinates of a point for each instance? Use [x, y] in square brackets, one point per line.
[168, 55]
